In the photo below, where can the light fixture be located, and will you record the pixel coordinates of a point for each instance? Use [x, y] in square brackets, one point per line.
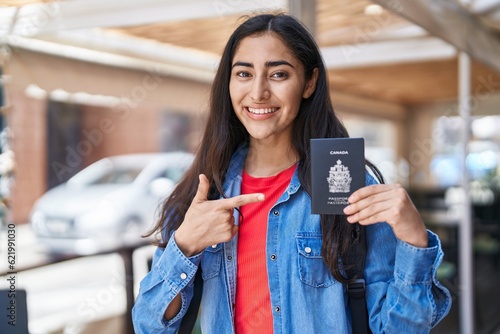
[374, 10]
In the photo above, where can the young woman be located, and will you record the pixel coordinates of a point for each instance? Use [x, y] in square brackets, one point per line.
[242, 213]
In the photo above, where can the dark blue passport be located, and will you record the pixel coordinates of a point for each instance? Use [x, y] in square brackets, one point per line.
[337, 170]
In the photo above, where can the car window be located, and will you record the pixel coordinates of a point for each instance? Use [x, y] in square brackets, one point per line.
[118, 176]
[105, 172]
[92, 173]
[174, 174]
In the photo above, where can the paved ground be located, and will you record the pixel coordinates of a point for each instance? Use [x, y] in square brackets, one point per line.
[65, 296]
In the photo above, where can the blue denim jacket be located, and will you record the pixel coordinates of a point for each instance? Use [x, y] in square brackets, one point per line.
[403, 294]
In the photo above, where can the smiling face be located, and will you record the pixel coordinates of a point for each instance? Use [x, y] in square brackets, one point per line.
[267, 85]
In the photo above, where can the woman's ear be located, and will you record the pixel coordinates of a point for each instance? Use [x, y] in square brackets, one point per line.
[311, 84]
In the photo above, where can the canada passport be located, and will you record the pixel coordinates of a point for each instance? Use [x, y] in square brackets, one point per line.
[337, 170]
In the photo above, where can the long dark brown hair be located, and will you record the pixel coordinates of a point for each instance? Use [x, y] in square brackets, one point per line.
[224, 133]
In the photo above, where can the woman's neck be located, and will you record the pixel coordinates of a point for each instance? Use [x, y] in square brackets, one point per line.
[269, 160]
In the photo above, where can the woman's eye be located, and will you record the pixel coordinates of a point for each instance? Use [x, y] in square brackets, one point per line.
[242, 74]
[280, 75]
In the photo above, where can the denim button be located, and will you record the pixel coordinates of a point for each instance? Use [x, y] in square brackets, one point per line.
[229, 257]
[214, 246]
[277, 309]
[183, 276]
[307, 250]
[273, 256]
[276, 213]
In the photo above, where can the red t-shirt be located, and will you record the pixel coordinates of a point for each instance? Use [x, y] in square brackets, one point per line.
[253, 303]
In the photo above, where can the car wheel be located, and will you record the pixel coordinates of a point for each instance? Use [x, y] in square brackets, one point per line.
[132, 231]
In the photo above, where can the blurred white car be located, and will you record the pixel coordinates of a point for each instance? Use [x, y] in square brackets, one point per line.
[109, 204]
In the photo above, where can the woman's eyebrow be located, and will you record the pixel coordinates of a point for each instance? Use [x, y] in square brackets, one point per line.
[271, 63]
[241, 63]
[275, 63]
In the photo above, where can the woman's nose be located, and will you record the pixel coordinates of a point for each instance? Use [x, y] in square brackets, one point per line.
[260, 89]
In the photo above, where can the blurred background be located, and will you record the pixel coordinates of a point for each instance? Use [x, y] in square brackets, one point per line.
[103, 102]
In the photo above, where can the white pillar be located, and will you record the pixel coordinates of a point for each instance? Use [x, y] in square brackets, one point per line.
[305, 11]
[466, 231]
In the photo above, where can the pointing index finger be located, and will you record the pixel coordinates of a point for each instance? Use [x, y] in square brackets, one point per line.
[240, 200]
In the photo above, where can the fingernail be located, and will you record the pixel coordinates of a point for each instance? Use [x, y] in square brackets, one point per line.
[261, 197]
[347, 209]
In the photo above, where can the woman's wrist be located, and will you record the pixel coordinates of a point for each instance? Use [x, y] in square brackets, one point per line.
[187, 247]
[417, 238]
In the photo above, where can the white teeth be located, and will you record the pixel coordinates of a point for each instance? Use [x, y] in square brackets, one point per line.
[262, 111]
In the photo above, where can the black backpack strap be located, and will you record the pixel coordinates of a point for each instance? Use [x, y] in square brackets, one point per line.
[356, 289]
[189, 319]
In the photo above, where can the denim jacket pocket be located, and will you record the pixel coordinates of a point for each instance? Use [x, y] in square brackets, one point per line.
[312, 269]
[211, 261]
